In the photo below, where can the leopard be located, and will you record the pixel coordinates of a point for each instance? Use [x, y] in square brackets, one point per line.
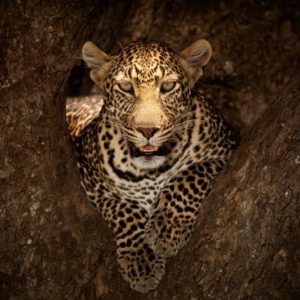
[149, 143]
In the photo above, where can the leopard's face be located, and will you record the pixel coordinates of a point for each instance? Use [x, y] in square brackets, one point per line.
[147, 88]
[147, 96]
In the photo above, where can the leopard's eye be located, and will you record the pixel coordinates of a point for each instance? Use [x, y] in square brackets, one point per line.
[126, 87]
[167, 86]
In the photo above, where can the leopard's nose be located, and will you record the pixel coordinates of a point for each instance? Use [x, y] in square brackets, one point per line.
[147, 132]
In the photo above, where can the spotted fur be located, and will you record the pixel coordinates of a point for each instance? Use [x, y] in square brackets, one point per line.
[81, 111]
[150, 199]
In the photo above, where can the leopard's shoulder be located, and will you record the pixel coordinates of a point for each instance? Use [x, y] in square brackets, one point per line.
[81, 112]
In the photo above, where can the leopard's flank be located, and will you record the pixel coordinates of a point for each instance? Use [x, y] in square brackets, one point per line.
[148, 147]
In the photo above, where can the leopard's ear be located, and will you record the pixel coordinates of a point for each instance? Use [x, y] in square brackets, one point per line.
[97, 60]
[194, 58]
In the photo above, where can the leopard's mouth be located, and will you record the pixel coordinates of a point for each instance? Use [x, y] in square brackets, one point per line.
[149, 150]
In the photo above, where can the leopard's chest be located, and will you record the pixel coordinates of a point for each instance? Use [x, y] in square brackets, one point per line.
[144, 193]
[108, 172]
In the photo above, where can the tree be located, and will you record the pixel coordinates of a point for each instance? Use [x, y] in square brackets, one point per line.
[43, 223]
[54, 246]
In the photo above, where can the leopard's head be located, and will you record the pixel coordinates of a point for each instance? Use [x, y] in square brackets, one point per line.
[147, 88]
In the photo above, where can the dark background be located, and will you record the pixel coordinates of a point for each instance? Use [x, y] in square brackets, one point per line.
[53, 245]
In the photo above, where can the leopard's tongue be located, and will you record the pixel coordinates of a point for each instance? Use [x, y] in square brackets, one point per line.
[148, 148]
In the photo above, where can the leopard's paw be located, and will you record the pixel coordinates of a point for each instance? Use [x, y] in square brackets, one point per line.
[167, 239]
[142, 268]
[165, 247]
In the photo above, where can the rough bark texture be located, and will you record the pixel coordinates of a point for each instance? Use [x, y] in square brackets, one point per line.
[45, 228]
[54, 246]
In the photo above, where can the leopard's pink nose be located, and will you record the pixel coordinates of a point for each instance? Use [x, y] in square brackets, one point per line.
[147, 132]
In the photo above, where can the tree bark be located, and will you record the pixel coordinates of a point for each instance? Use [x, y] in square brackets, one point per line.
[52, 243]
[50, 239]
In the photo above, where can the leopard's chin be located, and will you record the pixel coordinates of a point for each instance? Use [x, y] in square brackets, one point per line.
[147, 162]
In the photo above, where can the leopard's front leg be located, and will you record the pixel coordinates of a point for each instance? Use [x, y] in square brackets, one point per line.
[171, 225]
[138, 263]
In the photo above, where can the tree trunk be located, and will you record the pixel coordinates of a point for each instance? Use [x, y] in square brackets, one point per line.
[52, 243]
[50, 238]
